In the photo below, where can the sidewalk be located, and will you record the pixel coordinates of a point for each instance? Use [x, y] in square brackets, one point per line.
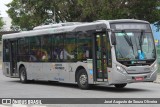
[158, 79]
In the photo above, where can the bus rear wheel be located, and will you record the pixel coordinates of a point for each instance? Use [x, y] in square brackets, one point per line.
[120, 85]
[23, 75]
[82, 79]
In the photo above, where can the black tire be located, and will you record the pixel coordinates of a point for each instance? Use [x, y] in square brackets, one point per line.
[82, 79]
[120, 85]
[23, 75]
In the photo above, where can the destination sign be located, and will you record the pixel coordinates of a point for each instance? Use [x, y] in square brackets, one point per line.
[121, 26]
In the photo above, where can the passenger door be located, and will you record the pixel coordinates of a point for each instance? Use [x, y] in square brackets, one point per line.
[101, 56]
[13, 58]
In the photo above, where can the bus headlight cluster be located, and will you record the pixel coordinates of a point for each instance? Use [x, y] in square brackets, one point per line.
[121, 69]
[154, 67]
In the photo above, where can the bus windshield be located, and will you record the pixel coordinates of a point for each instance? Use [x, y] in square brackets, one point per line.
[134, 45]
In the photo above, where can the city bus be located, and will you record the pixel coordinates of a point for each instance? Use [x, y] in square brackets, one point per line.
[103, 52]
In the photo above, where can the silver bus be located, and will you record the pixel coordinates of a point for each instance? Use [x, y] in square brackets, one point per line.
[106, 52]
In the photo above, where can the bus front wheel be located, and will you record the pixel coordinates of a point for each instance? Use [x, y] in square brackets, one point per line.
[120, 85]
[82, 79]
[23, 75]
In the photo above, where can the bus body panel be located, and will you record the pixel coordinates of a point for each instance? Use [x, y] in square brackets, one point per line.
[62, 72]
[6, 69]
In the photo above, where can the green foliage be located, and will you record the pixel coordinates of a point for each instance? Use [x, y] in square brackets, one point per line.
[30, 13]
[1, 23]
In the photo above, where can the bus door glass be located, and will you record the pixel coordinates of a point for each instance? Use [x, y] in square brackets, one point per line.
[13, 58]
[101, 56]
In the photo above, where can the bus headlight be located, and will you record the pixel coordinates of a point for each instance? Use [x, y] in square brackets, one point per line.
[121, 69]
[154, 67]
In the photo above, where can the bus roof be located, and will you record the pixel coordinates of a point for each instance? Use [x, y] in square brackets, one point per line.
[55, 29]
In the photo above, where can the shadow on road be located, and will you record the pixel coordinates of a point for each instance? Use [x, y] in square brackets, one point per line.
[113, 89]
[93, 88]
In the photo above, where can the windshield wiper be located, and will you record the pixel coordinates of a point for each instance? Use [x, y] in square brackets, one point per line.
[127, 38]
[129, 41]
[140, 39]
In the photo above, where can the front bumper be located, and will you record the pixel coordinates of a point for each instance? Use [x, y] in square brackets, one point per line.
[120, 78]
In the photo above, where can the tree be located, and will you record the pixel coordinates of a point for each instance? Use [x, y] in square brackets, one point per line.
[1, 23]
[19, 15]
[31, 13]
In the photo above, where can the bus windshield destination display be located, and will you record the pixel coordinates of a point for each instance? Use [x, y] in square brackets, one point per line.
[122, 26]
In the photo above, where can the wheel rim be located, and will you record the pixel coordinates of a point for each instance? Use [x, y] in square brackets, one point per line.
[23, 75]
[83, 79]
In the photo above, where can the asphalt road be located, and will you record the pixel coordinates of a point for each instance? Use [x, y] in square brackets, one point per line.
[12, 88]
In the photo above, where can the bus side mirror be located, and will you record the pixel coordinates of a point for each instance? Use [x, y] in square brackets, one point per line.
[113, 39]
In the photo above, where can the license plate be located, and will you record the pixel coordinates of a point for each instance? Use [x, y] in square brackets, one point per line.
[139, 78]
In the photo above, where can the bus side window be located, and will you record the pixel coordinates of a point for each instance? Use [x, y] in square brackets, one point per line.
[84, 44]
[6, 51]
[35, 49]
[69, 47]
[46, 43]
[57, 44]
[23, 49]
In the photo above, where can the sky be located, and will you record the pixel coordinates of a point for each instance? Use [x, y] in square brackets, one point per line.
[3, 8]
